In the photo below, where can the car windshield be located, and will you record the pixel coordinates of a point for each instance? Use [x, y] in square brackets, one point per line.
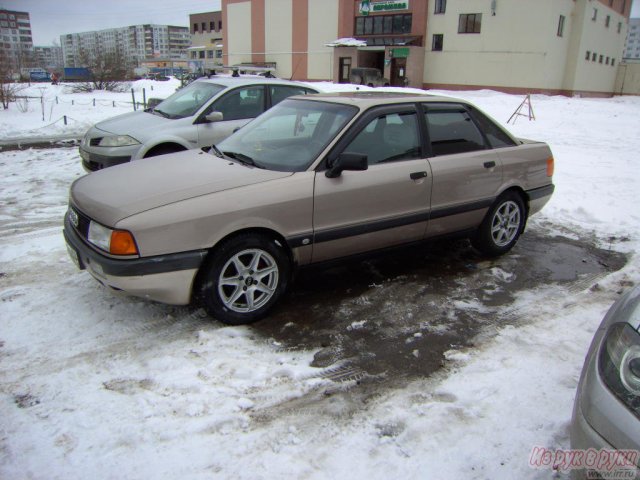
[290, 136]
[188, 100]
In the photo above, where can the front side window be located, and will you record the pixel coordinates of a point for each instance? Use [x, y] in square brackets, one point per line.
[451, 131]
[289, 136]
[469, 23]
[388, 138]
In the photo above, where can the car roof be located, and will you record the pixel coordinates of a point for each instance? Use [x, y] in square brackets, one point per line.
[229, 81]
[366, 99]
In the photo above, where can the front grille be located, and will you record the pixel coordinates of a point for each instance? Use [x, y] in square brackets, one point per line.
[83, 223]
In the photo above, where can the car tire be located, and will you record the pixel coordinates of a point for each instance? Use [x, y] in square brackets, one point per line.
[502, 225]
[245, 278]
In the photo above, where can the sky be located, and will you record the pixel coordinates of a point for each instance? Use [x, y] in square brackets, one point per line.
[52, 18]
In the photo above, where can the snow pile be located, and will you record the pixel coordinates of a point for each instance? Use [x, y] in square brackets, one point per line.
[347, 42]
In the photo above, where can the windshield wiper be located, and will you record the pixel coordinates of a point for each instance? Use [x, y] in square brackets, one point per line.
[216, 151]
[242, 158]
[164, 114]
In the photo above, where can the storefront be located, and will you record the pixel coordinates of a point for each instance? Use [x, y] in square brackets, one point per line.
[390, 38]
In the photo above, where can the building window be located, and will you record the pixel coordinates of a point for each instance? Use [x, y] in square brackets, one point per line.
[601, 59]
[204, 27]
[469, 23]
[594, 17]
[383, 24]
[624, 6]
[561, 25]
[607, 21]
[212, 26]
[619, 27]
[588, 56]
[219, 24]
[378, 25]
[613, 62]
[218, 53]
[201, 53]
[441, 6]
[194, 55]
[594, 57]
[195, 27]
[607, 61]
[209, 53]
[436, 44]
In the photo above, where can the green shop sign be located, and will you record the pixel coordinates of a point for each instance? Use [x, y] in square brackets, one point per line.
[367, 6]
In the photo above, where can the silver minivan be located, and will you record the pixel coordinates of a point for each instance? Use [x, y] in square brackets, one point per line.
[201, 114]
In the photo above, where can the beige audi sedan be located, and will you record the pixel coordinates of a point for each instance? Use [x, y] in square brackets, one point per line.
[315, 178]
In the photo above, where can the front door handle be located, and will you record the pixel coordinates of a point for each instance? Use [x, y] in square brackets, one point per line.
[490, 164]
[417, 175]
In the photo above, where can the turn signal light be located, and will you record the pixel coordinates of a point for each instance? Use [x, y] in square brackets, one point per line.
[122, 243]
[550, 167]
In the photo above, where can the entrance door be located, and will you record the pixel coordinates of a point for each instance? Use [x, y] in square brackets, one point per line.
[345, 70]
[398, 72]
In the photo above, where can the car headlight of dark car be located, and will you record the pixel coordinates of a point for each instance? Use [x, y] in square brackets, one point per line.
[619, 364]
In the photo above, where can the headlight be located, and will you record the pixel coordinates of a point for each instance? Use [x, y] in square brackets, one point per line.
[116, 242]
[619, 364]
[118, 141]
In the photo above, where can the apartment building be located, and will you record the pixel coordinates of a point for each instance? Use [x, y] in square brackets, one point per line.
[555, 46]
[206, 40]
[16, 42]
[49, 58]
[135, 43]
[632, 44]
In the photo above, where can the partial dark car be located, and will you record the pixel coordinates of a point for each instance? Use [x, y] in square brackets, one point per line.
[315, 178]
[202, 113]
[606, 412]
[372, 77]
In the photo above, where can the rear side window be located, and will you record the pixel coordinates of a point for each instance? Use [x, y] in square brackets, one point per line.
[280, 92]
[452, 131]
[242, 103]
[496, 136]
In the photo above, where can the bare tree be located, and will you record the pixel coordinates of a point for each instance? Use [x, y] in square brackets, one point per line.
[106, 70]
[8, 89]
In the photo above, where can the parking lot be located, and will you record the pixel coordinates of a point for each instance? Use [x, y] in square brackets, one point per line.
[394, 361]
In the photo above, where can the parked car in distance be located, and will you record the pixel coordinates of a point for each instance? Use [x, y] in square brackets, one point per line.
[187, 119]
[368, 76]
[315, 178]
[606, 412]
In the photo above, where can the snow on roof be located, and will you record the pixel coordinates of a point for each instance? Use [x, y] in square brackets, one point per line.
[347, 42]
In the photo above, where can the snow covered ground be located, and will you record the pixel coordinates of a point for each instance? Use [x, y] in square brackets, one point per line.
[95, 385]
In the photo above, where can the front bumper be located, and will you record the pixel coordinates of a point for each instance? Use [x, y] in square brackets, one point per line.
[92, 161]
[163, 278]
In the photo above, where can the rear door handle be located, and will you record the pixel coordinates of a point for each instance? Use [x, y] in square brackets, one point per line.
[417, 175]
[490, 164]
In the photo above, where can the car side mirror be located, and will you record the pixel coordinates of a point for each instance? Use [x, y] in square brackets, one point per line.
[347, 161]
[214, 117]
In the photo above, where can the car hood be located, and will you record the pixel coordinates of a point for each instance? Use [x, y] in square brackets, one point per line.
[133, 122]
[115, 193]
